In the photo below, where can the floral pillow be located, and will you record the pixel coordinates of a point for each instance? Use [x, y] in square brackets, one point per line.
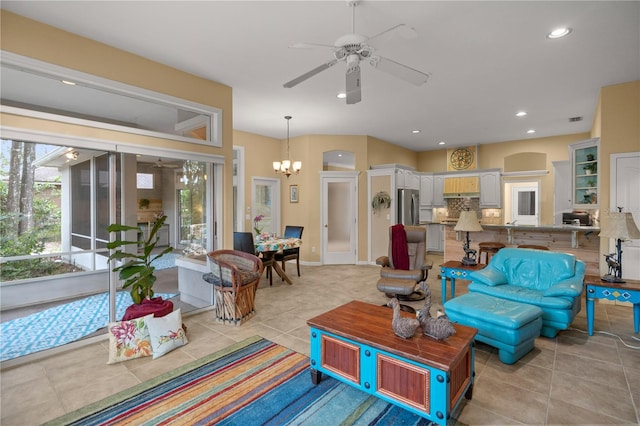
[129, 339]
[167, 333]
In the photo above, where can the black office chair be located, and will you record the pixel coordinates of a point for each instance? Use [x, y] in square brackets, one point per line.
[243, 241]
[290, 254]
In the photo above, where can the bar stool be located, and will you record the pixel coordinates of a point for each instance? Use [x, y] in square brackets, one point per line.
[489, 248]
[533, 246]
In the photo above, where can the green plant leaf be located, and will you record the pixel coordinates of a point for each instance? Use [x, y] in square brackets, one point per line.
[116, 227]
[120, 243]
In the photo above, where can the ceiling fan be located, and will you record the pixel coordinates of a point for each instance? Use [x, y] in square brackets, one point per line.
[353, 48]
[160, 164]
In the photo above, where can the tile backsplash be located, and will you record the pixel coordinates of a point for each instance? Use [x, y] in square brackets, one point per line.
[456, 205]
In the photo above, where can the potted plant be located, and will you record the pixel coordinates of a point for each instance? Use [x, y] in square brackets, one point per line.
[591, 168]
[381, 200]
[137, 271]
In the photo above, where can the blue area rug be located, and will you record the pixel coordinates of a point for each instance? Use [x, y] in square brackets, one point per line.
[60, 325]
[253, 382]
[166, 261]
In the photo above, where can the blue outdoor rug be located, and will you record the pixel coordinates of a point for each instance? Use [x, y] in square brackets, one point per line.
[166, 261]
[60, 325]
[253, 382]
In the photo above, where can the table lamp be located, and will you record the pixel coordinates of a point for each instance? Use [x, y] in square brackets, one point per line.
[468, 222]
[619, 226]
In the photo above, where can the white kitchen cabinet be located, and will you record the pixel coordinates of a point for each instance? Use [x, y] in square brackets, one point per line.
[406, 179]
[435, 237]
[585, 182]
[412, 180]
[438, 191]
[401, 178]
[426, 190]
[490, 189]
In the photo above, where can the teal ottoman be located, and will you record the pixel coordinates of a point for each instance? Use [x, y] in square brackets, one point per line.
[509, 326]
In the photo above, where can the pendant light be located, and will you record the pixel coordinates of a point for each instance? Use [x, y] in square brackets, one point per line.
[286, 166]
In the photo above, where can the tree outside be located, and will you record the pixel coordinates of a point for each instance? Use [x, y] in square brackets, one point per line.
[30, 215]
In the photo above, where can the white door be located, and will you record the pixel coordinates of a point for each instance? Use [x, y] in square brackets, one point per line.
[265, 205]
[625, 187]
[524, 204]
[339, 217]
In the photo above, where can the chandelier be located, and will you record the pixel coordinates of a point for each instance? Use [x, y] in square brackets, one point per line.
[285, 166]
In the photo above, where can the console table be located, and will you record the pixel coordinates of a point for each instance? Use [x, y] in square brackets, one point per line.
[355, 344]
[455, 269]
[628, 291]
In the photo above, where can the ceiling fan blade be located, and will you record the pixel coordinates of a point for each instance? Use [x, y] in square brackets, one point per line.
[310, 74]
[396, 69]
[403, 30]
[304, 45]
[353, 85]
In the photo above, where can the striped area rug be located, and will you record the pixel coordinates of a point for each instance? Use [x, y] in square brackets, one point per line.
[254, 382]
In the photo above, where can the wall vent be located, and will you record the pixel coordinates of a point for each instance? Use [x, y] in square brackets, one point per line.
[574, 119]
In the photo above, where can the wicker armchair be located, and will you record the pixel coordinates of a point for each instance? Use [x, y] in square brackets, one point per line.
[235, 276]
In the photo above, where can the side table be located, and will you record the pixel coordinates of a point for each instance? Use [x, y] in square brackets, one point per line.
[455, 269]
[628, 291]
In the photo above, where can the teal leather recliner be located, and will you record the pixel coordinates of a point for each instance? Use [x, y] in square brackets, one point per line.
[553, 281]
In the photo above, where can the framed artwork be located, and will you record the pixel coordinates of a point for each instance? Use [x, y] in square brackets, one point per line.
[293, 193]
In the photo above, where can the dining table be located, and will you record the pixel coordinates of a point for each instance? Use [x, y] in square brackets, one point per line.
[272, 245]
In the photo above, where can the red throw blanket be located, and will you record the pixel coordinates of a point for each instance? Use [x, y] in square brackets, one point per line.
[399, 247]
[155, 306]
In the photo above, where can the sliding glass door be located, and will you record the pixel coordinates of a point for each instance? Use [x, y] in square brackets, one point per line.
[56, 203]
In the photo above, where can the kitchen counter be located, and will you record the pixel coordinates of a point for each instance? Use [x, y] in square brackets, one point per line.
[565, 228]
[582, 241]
[512, 229]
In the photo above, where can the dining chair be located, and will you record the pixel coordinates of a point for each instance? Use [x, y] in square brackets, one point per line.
[290, 254]
[235, 276]
[243, 241]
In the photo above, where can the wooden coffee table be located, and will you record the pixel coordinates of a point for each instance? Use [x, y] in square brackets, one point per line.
[355, 344]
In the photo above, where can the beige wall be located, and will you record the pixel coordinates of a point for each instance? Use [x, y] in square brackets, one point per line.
[381, 152]
[620, 129]
[32, 39]
[618, 126]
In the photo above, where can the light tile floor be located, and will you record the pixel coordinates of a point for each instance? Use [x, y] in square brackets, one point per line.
[572, 379]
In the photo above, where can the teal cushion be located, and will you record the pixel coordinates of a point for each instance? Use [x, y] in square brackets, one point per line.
[523, 295]
[488, 276]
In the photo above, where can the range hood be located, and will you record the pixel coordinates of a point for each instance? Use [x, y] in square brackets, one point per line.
[461, 195]
[462, 187]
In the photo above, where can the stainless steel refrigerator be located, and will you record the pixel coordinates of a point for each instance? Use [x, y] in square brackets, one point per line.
[408, 206]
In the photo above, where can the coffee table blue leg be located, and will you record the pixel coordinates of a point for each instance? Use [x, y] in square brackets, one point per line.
[636, 317]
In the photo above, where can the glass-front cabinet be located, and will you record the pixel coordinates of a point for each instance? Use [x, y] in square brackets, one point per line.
[584, 161]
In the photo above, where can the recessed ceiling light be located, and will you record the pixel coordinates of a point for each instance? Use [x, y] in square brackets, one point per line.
[531, 131]
[416, 131]
[70, 83]
[521, 114]
[341, 95]
[441, 143]
[339, 155]
[559, 32]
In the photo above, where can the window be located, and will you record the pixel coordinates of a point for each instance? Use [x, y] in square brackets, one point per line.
[144, 180]
[525, 203]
